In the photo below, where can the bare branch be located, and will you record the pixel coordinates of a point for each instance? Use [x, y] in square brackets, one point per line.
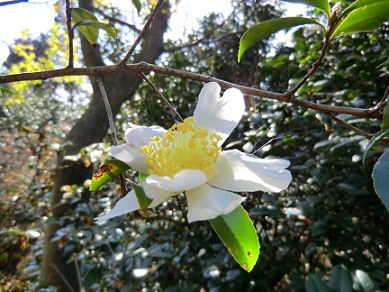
[164, 99]
[70, 33]
[142, 33]
[117, 20]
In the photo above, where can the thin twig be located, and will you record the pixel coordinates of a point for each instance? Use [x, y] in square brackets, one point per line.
[77, 270]
[62, 276]
[348, 126]
[108, 110]
[70, 34]
[123, 189]
[142, 33]
[164, 99]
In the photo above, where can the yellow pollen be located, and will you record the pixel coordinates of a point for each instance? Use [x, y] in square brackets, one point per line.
[183, 146]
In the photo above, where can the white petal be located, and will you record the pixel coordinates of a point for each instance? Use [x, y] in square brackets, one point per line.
[239, 172]
[186, 179]
[132, 156]
[206, 203]
[219, 115]
[156, 194]
[127, 204]
[136, 137]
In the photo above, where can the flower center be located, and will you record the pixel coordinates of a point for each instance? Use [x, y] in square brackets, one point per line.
[183, 146]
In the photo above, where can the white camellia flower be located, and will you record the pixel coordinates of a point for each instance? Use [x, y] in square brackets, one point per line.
[188, 158]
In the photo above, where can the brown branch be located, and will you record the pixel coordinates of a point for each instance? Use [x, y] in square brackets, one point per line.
[144, 67]
[70, 33]
[142, 33]
[350, 127]
[164, 99]
[117, 20]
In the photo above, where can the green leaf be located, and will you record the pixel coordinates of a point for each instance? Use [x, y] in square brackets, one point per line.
[143, 200]
[314, 283]
[360, 3]
[108, 171]
[385, 119]
[137, 5]
[266, 28]
[386, 63]
[365, 18]
[237, 232]
[323, 5]
[341, 280]
[381, 178]
[376, 138]
[363, 282]
[91, 33]
[5, 90]
[97, 24]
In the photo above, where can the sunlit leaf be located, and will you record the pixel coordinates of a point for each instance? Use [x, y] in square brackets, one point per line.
[364, 18]
[5, 90]
[376, 138]
[108, 171]
[323, 5]
[266, 28]
[381, 178]
[91, 33]
[97, 24]
[360, 3]
[237, 232]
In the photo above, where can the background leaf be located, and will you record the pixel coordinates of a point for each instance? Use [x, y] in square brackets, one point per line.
[237, 232]
[266, 28]
[108, 171]
[314, 283]
[381, 178]
[365, 18]
[341, 279]
[376, 138]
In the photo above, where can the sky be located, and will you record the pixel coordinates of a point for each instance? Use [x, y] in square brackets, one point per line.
[38, 16]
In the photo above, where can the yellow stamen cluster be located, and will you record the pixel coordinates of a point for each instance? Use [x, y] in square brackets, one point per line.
[183, 146]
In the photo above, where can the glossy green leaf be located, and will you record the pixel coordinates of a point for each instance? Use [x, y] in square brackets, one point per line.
[91, 33]
[376, 138]
[97, 24]
[143, 200]
[238, 234]
[360, 3]
[323, 5]
[381, 178]
[314, 283]
[341, 279]
[364, 18]
[363, 282]
[266, 28]
[108, 171]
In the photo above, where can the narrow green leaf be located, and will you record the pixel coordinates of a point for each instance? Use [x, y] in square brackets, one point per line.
[143, 200]
[385, 118]
[238, 234]
[323, 5]
[376, 138]
[108, 171]
[365, 18]
[341, 280]
[97, 24]
[5, 90]
[386, 63]
[314, 283]
[381, 178]
[91, 33]
[266, 28]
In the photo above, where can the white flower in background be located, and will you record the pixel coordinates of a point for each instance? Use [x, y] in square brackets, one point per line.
[188, 158]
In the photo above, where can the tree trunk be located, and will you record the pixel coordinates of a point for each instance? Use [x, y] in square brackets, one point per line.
[57, 268]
